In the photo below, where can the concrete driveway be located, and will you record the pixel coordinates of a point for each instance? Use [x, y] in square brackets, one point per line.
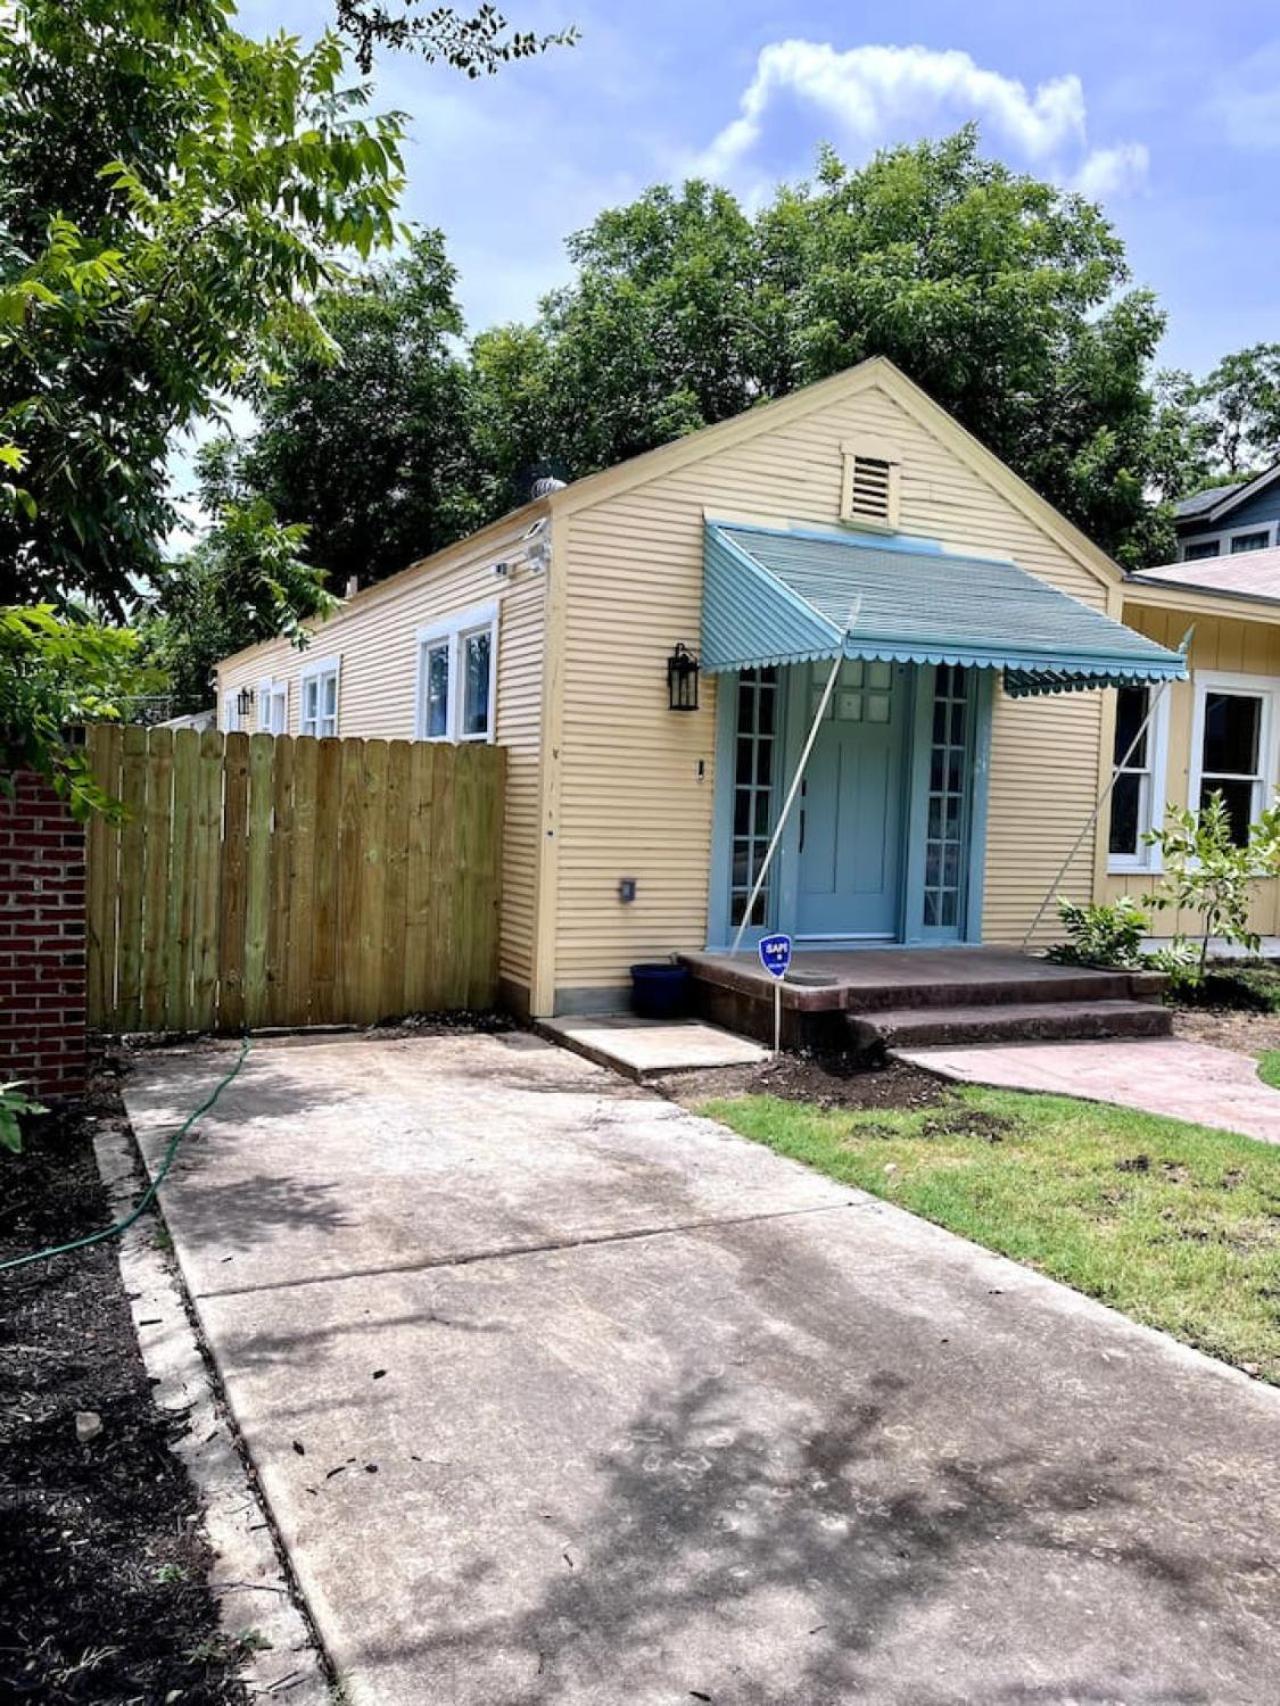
[560, 1394]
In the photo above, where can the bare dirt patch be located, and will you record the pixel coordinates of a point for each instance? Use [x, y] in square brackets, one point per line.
[1246, 1033]
[826, 1082]
[103, 1596]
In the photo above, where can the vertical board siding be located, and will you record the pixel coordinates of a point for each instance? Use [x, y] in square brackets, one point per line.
[633, 802]
[375, 637]
[271, 881]
[1219, 644]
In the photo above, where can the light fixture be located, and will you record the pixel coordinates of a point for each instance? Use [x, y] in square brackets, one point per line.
[682, 679]
[244, 701]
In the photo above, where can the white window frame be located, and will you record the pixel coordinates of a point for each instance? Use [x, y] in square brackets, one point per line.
[1262, 687]
[272, 695]
[1223, 541]
[453, 632]
[1145, 857]
[317, 670]
[230, 715]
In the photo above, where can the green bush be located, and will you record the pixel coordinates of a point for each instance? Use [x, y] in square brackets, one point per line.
[1101, 935]
[14, 1102]
[1253, 987]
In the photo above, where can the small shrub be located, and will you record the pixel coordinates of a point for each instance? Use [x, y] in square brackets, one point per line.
[15, 1105]
[1249, 988]
[1101, 935]
[1207, 873]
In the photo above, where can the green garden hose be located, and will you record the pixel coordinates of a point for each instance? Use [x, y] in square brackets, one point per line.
[148, 1196]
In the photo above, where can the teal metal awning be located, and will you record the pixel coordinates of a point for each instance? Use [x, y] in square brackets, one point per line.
[774, 596]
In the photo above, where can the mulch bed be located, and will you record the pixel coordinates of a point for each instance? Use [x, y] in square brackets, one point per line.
[1247, 1033]
[103, 1596]
[831, 1081]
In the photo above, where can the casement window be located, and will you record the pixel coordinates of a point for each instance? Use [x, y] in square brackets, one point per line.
[1231, 748]
[1139, 758]
[320, 698]
[273, 707]
[457, 676]
[869, 487]
[230, 714]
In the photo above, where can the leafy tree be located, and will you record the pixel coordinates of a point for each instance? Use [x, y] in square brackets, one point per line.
[1233, 415]
[1006, 298]
[172, 195]
[56, 670]
[247, 580]
[1209, 872]
[369, 450]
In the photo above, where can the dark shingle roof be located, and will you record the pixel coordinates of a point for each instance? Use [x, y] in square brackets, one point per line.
[1185, 508]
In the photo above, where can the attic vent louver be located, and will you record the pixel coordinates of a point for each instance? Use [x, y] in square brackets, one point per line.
[870, 496]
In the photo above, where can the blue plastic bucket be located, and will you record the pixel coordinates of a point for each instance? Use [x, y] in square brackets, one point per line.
[659, 991]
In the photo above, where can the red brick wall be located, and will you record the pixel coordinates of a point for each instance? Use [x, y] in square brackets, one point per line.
[42, 941]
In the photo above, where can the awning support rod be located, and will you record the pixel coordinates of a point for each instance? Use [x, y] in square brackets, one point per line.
[796, 780]
[1116, 769]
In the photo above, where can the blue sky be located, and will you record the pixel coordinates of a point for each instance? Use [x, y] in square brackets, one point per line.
[1168, 112]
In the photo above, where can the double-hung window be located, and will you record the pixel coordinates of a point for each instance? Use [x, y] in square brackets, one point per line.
[273, 707]
[1231, 748]
[457, 676]
[320, 698]
[1139, 756]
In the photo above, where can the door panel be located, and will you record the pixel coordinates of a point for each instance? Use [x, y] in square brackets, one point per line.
[851, 829]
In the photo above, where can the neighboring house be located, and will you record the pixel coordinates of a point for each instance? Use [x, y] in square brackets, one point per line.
[198, 720]
[954, 771]
[1230, 520]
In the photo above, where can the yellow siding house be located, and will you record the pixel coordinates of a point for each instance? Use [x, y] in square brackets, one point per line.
[847, 550]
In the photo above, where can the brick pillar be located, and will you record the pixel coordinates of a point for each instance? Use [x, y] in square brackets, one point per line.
[43, 1015]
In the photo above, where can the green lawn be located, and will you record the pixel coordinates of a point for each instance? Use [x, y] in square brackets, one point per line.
[1177, 1225]
[1269, 1067]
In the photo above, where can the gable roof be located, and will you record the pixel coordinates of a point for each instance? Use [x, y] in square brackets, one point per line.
[876, 372]
[1221, 500]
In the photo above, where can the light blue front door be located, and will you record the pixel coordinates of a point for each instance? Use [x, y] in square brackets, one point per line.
[851, 828]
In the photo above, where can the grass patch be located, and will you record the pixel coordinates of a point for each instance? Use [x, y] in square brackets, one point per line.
[1176, 1225]
[1269, 1067]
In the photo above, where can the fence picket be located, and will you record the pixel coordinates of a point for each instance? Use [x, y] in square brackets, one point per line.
[153, 879]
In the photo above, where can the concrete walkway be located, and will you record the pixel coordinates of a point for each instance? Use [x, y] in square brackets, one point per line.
[562, 1395]
[1158, 1075]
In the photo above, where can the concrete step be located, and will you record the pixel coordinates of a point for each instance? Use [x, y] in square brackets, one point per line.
[1040, 984]
[1011, 1022]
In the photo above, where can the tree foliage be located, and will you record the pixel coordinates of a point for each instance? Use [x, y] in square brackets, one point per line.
[370, 451]
[477, 43]
[56, 670]
[1008, 299]
[172, 195]
[1232, 417]
[247, 580]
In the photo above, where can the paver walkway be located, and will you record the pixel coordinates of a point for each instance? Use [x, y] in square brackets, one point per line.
[1159, 1075]
[561, 1396]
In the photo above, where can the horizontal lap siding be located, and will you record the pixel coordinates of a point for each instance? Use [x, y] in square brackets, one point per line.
[1250, 648]
[375, 638]
[631, 802]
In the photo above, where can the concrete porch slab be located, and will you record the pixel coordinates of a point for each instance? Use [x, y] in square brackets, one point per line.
[1166, 1075]
[643, 1048]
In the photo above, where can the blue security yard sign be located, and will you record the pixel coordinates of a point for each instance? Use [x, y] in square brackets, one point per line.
[775, 954]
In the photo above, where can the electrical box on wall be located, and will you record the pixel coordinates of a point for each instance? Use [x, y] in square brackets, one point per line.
[626, 890]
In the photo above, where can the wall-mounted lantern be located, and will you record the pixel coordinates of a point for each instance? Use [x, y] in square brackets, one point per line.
[682, 679]
[244, 702]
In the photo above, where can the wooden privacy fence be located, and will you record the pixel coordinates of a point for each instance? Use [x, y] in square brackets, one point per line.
[264, 880]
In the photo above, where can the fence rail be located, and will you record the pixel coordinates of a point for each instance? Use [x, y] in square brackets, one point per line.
[261, 880]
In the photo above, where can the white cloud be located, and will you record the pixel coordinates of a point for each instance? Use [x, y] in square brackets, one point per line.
[1247, 101]
[877, 94]
[1112, 171]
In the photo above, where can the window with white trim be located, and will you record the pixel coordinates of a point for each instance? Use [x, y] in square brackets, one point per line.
[320, 698]
[230, 713]
[1231, 748]
[1229, 543]
[457, 676]
[273, 707]
[1139, 756]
